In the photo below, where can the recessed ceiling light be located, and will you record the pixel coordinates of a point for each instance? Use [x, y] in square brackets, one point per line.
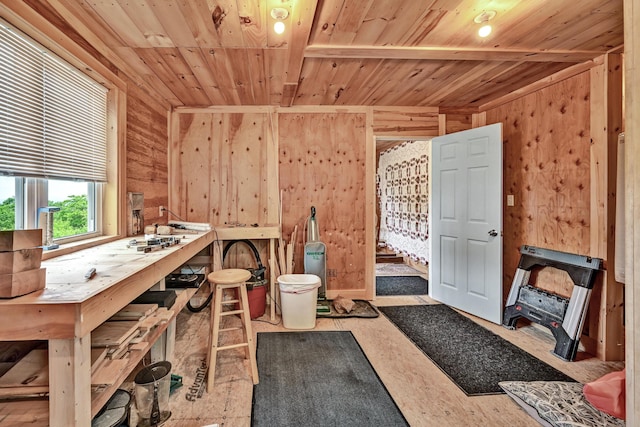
[278, 27]
[484, 18]
[485, 30]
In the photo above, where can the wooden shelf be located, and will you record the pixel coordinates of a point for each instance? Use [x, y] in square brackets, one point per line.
[100, 397]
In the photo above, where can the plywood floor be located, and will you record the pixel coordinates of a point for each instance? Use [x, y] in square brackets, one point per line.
[423, 393]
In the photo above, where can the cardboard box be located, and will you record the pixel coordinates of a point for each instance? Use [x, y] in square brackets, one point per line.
[14, 240]
[21, 260]
[17, 284]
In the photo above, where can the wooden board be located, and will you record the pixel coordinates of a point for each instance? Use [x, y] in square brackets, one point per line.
[14, 240]
[405, 121]
[20, 260]
[31, 370]
[98, 356]
[109, 371]
[17, 284]
[134, 312]
[113, 334]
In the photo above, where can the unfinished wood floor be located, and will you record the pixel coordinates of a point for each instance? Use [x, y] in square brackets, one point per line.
[423, 393]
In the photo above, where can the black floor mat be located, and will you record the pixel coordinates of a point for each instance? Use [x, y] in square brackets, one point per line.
[318, 378]
[401, 285]
[473, 357]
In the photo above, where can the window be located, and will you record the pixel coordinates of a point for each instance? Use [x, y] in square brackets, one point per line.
[7, 203]
[53, 140]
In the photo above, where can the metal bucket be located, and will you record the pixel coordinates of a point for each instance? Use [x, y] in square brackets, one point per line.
[152, 388]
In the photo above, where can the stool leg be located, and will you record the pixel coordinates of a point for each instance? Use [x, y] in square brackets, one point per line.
[216, 315]
[246, 321]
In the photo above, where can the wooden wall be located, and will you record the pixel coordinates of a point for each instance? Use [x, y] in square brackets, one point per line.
[146, 156]
[559, 164]
[322, 164]
[405, 121]
[546, 168]
[232, 164]
[221, 168]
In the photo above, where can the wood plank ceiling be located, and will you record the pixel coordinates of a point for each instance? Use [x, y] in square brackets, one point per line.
[340, 52]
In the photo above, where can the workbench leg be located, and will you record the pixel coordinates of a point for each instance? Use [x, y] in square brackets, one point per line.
[272, 282]
[70, 382]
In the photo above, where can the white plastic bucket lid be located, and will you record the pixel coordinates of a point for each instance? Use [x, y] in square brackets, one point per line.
[298, 283]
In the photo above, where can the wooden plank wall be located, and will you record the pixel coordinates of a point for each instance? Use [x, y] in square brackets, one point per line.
[458, 121]
[146, 157]
[405, 121]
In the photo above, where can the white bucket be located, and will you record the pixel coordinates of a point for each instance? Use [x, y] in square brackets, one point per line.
[298, 297]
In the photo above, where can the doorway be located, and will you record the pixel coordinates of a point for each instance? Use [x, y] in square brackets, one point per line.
[401, 267]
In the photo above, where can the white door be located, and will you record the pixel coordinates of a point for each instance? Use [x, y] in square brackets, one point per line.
[465, 270]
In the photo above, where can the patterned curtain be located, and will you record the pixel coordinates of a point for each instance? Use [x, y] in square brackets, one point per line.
[403, 191]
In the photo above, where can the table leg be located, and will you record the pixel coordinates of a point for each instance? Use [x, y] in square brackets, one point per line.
[70, 382]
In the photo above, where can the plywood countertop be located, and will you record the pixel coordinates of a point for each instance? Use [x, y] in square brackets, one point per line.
[71, 305]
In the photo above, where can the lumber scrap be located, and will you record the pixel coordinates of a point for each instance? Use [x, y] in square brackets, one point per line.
[134, 312]
[164, 314]
[113, 334]
[138, 346]
[98, 355]
[289, 258]
[32, 371]
[111, 369]
[282, 259]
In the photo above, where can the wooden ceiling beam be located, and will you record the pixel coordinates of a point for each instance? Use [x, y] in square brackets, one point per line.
[301, 22]
[448, 53]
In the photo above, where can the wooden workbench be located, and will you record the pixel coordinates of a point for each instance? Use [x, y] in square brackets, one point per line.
[70, 307]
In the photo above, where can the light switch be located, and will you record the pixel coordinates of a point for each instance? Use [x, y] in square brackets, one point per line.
[510, 200]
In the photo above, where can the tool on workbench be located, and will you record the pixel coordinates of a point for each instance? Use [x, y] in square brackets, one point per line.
[90, 274]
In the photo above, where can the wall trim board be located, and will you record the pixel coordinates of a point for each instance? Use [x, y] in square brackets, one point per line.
[228, 109]
[607, 327]
[326, 109]
[632, 208]
[370, 209]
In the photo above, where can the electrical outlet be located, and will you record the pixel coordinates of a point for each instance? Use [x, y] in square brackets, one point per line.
[161, 211]
[510, 200]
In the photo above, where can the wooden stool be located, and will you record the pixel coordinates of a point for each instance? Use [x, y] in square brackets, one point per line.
[231, 278]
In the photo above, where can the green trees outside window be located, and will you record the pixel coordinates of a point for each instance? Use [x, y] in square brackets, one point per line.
[69, 221]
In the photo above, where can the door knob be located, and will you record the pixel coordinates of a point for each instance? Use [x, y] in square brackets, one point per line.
[493, 233]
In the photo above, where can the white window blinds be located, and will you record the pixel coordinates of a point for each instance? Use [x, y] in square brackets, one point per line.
[53, 118]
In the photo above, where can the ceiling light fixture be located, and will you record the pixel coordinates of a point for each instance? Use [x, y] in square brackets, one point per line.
[484, 19]
[279, 14]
